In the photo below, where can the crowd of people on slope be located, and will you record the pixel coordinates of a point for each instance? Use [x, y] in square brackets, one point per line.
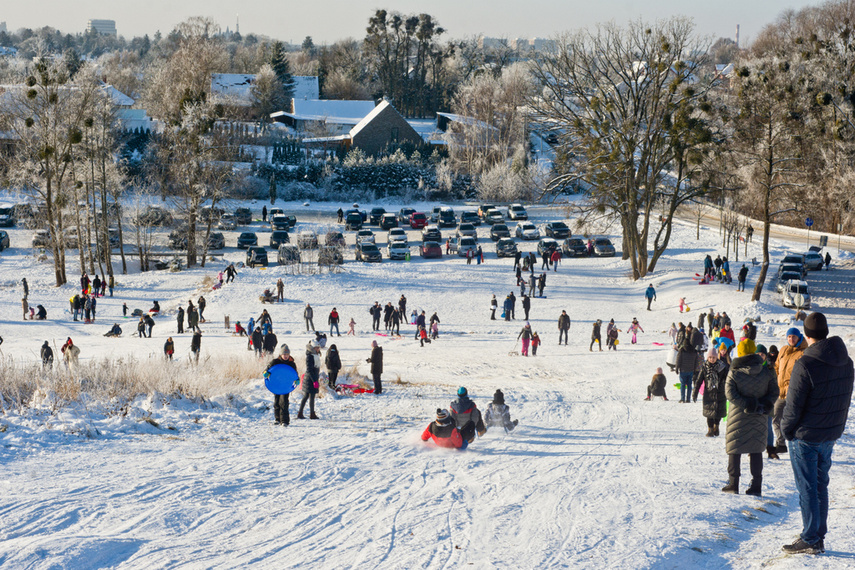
[800, 394]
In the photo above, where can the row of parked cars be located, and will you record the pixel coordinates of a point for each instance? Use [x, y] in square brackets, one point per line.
[442, 216]
[792, 272]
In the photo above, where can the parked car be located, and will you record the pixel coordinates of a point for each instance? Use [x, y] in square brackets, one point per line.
[430, 249]
[207, 213]
[388, 221]
[796, 294]
[404, 216]
[353, 221]
[227, 222]
[527, 230]
[396, 234]
[792, 268]
[334, 238]
[155, 216]
[494, 216]
[368, 252]
[575, 247]
[355, 209]
[307, 239]
[178, 238]
[243, 216]
[274, 212]
[464, 229]
[547, 246]
[216, 240]
[292, 220]
[7, 216]
[4, 240]
[517, 212]
[256, 256]
[557, 230]
[603, 247]
[113, 236]
[814, 261]
[397, 250]
[483, 209]
[376, 215]
[288, 254]
[418, 220]
[470, 218]
[785, 277]
[279, 222]
[330, 255]
[794, 258]
[431, 233]
[277, 238]
[506, 247]
[69, 236]
[365, 236]
[499, 231]
[446, 218]
[41, 238]
[247, 239]
[461, 245]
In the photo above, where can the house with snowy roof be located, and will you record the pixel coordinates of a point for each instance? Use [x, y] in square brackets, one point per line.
[331, 116]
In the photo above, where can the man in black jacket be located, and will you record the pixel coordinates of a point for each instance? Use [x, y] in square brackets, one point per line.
[376, 362]
[818, 401]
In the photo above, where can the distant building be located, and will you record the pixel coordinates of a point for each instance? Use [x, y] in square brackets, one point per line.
[103, 27]
[3, 27]
[334, 117]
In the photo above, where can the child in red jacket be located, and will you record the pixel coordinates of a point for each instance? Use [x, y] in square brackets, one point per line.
[444, 432]
[535, 342]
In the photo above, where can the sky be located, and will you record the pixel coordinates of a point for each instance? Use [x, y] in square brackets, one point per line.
[330, 20]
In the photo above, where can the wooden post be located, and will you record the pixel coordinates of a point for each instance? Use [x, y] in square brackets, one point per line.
[227, 322]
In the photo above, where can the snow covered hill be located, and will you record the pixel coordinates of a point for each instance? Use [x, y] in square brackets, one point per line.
[593, 477]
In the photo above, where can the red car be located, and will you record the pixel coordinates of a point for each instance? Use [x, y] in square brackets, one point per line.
[430, 249]
[418, 220]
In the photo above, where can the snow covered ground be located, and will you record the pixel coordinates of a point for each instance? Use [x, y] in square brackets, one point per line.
[594, 477]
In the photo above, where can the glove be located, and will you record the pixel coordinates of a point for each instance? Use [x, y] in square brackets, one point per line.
[481, 432]
[315, 385]
[266, 375]
[751, 406]
[761, 410]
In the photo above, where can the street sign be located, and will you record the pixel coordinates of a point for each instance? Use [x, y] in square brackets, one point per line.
[808, 222]
[823, 241]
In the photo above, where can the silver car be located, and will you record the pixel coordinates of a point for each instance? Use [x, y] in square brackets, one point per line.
[397, 250]
[603, 247]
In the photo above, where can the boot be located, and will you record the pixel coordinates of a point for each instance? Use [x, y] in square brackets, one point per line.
[770, 449]
[715, 430]
[754, 488]
[710, 432]
[300, 415]
[312, 416]
[732, 486]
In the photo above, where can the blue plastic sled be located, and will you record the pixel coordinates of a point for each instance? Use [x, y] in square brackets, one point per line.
[282, 380]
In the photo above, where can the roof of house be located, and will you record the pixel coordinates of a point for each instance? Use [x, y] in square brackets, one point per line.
[119, 99]
[232, 84]
[306, 87]
[329, 111]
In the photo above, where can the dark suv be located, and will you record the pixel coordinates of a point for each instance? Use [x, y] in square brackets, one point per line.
[279, 237]
[256, 256]
[243, 216]
[375, 215]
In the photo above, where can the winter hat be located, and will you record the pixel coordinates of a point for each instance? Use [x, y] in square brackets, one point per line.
[462, 391]
[793, 331]
[499, 397]
[746, 347]
[761, 349]
[773, 350]
[712, 352]
[816, 326]
[441, 416]
[284, 349]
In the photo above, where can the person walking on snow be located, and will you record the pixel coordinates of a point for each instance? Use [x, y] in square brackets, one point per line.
[308, 316]
[333, 364]
[563, 327]
[525, 334]
[635, 328]
[201, 307]
[376, 361]
[333, 322]
[280, 401]
[595, 336]
[650, 294]
[743, 273]
[555, 258]
[526, 305]
[713, 377]
[352, 329]
[280, 290]
[494, 304]
[827, 260]
[311, 379]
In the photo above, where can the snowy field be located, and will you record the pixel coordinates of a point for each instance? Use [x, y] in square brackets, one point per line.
[593, 477]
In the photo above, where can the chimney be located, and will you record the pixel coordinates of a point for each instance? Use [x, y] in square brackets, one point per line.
[737, 35]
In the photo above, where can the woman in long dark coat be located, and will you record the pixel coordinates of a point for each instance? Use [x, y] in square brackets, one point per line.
[713, 375]
[751, 389]
[333, 363]
[310, 379]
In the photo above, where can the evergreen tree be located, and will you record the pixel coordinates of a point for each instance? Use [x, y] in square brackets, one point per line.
[279, 62]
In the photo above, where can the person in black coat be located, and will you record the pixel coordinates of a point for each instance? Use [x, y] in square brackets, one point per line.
[311, 379]
[818, 400]
[196, 344]
[180, 319]
[513, 304]
[333, 364]
[420, 324]
[269, 343]
[149, 323]
[402, 305]
[713, 376]
[280, 401]
[376, 362]
[526, 305]
[47, 355]
[396, 323]
[257, 341]
[596, 336]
